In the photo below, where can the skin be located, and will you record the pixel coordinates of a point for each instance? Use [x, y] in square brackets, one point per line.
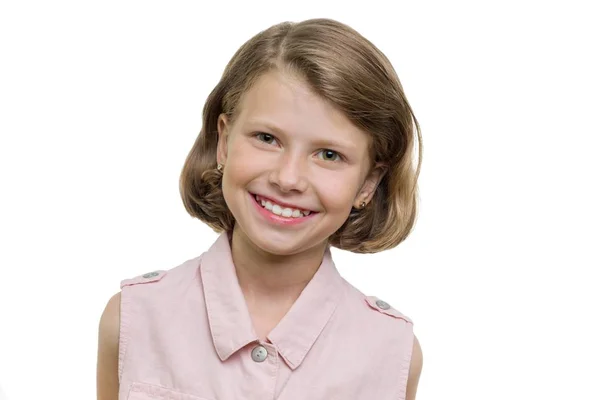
[107, 380]
[288, 144]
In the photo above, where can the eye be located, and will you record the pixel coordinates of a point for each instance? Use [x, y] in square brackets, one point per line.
[265, 137]
[329, 155]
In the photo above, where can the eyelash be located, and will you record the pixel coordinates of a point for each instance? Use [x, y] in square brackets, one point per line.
[261, 135]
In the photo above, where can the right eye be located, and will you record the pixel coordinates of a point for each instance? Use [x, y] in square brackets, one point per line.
[265, 137]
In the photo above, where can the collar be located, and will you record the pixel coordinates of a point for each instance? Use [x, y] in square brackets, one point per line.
[229, 319]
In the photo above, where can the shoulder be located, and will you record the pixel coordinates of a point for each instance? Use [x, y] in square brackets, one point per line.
[109, 321]
[383, 307]
[416, 366]
[374, 307]
[148, 277]
[107, 377]
[392, 326]
[180, 273]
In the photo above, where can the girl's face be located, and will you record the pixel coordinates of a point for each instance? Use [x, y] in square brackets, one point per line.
[294, 166]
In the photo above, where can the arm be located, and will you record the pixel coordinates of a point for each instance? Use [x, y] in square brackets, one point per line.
[107, 379]
[416, 365]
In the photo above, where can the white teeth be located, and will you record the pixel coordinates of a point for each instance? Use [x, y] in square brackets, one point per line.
[278, 210]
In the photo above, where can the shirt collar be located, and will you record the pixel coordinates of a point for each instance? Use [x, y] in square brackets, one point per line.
[229, 319]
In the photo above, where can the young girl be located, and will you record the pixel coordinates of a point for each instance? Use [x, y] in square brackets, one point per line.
[307, 142]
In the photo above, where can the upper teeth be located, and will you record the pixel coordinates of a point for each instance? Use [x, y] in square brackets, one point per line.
[283, 211]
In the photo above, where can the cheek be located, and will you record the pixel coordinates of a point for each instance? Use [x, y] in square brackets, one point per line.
[242, 162]
[337, 193]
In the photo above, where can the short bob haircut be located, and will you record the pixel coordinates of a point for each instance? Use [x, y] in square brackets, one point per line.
[346, 69]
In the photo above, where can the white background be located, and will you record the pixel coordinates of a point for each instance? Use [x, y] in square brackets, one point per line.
[101, 101]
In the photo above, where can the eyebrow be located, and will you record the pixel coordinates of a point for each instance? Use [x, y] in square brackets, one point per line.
[321, 142]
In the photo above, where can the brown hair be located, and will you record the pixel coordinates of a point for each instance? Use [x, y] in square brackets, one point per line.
[347, 70]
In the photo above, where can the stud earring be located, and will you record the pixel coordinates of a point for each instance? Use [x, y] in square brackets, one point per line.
[219, 167]
[363, 204]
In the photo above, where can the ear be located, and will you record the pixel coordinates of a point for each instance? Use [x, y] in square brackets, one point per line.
[367, 191]
[223, 131]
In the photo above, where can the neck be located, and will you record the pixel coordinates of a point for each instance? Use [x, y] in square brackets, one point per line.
[271, 277]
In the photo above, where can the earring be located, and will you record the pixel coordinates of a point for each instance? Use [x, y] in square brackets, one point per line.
[219, 167]
[363, 204]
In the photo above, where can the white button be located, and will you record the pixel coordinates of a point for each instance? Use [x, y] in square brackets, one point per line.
[259, 354]
[382, 304]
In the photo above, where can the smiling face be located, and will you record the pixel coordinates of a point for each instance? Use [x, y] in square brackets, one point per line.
[294, 166]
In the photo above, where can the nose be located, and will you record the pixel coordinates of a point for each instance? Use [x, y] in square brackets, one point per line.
[289, 173]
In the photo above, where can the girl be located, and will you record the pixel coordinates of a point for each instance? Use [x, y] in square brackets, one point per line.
[306, 143]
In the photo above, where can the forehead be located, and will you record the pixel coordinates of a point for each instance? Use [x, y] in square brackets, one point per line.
[289, 103]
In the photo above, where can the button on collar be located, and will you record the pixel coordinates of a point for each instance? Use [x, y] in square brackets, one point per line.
[259, 354]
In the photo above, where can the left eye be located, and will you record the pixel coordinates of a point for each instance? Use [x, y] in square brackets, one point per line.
[265, 137]
[329, 155]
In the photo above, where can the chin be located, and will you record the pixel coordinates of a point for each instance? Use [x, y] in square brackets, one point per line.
[279, 245]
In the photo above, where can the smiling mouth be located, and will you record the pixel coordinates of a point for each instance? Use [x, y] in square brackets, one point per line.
[282, 211]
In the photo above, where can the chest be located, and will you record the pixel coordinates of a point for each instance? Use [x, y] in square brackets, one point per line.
[332, 370]
[265, 317]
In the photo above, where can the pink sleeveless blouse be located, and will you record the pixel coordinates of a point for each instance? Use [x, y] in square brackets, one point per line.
[186, 334]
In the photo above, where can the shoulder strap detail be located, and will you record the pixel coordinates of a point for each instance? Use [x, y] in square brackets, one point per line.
[379, 305]
[149, 277]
